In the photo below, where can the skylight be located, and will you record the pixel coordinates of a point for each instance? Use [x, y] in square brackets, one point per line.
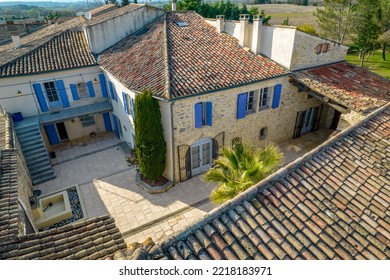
[181, 23]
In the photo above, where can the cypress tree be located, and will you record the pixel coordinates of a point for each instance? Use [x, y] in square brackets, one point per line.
[150, 146]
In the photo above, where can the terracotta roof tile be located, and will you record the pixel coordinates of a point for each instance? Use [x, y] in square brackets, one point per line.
[184, 60]
[341, 214]
[66, 51]
[347, 84]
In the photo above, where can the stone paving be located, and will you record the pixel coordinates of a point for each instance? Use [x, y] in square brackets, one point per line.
[107, 186]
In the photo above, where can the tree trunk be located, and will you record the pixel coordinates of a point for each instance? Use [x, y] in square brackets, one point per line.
[363, 54]
[384, 52]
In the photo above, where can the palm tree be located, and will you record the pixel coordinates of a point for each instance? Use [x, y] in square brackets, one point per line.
[240, 167]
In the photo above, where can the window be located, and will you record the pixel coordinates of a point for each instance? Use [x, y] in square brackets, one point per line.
[263, 132]
[129, 109]
[203, 114]
[250, 102]
[88, 121]
[264, 98]
[51, 91]
[321, 48]
[81, 89]
[258, 100]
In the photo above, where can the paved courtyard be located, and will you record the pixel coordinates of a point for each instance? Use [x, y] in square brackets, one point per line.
[107, 185]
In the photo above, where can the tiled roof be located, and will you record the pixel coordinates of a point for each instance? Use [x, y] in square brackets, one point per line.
[95, 238]
[103, 9]
[32, 41]
[9, 212]
[350, 85]
[331, 204]
[184, 60]
[65, 51]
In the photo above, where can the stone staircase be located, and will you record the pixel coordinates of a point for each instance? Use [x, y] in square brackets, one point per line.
[35, 153]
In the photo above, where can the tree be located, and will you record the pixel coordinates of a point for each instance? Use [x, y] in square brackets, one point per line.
[125, 2]
[240, 167]
[150, 146]
[335, 18]
[384, 40]
[367, 27]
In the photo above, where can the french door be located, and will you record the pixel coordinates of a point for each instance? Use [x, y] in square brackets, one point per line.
[201, 156]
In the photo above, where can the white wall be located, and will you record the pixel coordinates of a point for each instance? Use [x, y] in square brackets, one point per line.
[126, 120]
[165, 108]
[277, 44]
[28, 104]
[105, 34]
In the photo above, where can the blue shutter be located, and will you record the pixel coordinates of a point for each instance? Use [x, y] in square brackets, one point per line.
[241, 105]
[277, 93]
[116, 130]
[73, 89]
[209, 113]
[91, 89]
[102, 81]
[132, 107]
[41, 97]
[199, 115]
[62, 92]
[111, 90]
[107, 121]
[125, 103]
[52, 134]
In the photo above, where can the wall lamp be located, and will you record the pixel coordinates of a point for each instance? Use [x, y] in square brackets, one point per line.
[95, 81]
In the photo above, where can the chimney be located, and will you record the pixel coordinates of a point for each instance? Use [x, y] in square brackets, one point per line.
[17, 42]
[220, 23]
[257, 33]
[174, 5]
[244, 20]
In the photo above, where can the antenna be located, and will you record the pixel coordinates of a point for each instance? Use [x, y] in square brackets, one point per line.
[88, 15]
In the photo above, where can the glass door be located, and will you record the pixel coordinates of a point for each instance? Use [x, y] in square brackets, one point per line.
[201, 156]
[307, 120]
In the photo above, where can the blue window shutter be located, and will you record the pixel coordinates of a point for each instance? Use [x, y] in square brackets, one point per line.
[116, 130]
[107, 121]
[102, 81]
[91, 89]
[62, 92]
[125, 103]
[52, 134]
[132, 107]
[209, 113]
[198, 115]
[41, 97]
[73, 89]
[111, 90]
[241, 105]
[277, 93]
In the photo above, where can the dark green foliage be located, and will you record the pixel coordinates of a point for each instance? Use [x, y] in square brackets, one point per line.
[149, 139]
[230, 10]
[125, 2]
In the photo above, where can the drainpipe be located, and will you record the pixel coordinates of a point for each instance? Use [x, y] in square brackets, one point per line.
[173, 145]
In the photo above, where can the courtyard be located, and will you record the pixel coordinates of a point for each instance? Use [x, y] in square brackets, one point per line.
[107, 186]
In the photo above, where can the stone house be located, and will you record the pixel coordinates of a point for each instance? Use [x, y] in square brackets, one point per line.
[216, 81]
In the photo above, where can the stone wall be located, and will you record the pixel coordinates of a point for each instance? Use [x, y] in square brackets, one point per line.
[280, 122]
[305, 55]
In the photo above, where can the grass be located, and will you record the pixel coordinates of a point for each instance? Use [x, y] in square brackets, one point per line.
[374, 64]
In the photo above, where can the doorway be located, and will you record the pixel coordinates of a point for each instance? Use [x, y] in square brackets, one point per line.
[62, 131]
[335, 120]
[201, 156]
[307, 121]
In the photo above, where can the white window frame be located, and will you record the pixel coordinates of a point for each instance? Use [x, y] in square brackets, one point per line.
[82, 90]
[267, 92]
[251, 106]
[53, 90]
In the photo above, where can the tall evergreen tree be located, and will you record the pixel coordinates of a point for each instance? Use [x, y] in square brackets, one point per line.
[335, 18]
[367, 27]
[150, 146]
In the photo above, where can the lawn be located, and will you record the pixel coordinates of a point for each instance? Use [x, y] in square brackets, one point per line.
[374, 64]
